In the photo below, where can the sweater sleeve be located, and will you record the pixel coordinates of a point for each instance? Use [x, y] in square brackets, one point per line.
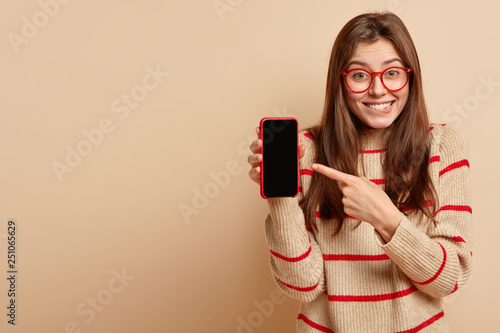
[439, 261]
[295, 258]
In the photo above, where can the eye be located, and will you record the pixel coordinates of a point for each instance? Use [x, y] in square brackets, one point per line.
[393, 72]
[359, 75]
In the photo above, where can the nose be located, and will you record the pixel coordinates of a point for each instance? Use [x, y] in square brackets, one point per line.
[377, 88]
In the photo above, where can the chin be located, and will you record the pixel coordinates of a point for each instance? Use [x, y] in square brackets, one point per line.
[378, 123]
[381, 125]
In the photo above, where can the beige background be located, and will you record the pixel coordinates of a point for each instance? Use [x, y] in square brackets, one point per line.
[118, 210]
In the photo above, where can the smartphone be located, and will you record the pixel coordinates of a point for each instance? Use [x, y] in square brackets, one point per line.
[279, 168]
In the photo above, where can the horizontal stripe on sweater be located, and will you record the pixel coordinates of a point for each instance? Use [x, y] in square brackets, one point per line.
[416, 329]
[403, 209]
[454, 289]
[372, 298]
[373, 151]
[356, 298]
[304, 289]
[431, 127]
[293, 259]
[424, 324]
[434, 277]
[311, 323]
[428, 203]
[454, 166]
[458, 239]
[355, 257]
[308, 135]
[457, 208]
[436, 158]
[307, 172]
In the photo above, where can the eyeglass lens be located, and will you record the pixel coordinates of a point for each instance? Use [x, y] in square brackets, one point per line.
[392, 78]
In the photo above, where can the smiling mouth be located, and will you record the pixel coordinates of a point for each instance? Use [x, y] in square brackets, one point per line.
[379, 106]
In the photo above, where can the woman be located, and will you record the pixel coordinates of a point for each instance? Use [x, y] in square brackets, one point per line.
[381, 229]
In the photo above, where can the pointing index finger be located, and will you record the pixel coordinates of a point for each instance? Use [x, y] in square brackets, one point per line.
[332, 173]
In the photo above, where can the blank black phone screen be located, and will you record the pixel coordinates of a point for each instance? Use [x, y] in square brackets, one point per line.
[280, 160]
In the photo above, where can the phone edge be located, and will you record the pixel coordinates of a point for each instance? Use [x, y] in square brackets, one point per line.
[262, 152]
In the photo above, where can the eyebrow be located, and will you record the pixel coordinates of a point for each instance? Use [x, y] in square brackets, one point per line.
[361, 63]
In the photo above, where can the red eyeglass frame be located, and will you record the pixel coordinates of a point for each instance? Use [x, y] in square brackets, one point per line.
[372, 75]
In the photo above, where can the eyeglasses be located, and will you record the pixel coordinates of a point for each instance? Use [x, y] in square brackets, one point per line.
[393, 78]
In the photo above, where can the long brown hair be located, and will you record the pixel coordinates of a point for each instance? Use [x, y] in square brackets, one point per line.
[337, 135]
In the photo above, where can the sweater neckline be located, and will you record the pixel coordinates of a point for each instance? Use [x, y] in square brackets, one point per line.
[374, 139]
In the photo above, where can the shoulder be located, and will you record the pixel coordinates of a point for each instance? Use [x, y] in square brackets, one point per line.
[447, 140]
[305, 138]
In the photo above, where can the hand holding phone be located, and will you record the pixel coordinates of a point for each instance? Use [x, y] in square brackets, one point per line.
[255, 158]
[279, 176]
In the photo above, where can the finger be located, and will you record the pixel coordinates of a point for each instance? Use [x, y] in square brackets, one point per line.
[366, 180]
[332, 173]
[342, 185]
[257, 129]
[255, 146]
[302, 151]
[254, 174]
[254, 160]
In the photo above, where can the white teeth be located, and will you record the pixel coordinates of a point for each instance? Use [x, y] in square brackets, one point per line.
[379, 106]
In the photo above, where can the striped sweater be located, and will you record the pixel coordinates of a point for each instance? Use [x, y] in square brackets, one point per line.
[354, 281]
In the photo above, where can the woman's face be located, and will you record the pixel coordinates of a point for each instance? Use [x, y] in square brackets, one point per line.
[372, 106]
